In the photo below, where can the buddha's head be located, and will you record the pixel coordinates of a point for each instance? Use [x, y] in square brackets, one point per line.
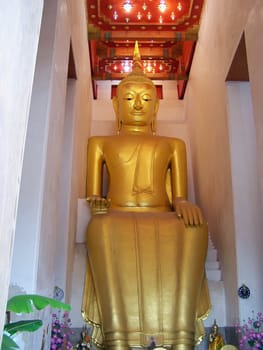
[136, 103]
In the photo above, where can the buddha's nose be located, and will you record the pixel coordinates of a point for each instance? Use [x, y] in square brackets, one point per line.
[138, 103]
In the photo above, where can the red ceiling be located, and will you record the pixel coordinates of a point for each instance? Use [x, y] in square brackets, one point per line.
[166, 39]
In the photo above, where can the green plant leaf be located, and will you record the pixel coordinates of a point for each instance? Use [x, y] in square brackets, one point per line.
[24, 303]
[23, 326]
[8, 343]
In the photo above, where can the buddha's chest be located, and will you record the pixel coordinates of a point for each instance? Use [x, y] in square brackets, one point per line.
[134, 151]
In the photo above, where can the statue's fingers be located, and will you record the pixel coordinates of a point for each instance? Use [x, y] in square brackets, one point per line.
[191, 217]
[196, 220]
[185, 215]
[97, 202]
[200, 216]
[178, 212]
[90, 201]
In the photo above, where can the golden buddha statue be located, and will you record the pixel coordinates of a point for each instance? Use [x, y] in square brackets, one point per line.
[216, 340]
[146, 243]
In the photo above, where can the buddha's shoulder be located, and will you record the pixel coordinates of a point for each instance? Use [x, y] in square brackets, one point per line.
[102, 140]
[171, 140]
[107, 142]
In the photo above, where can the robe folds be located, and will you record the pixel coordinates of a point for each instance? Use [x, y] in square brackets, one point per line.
[145, 279]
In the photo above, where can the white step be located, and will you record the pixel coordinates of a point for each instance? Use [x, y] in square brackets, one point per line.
[217, 297]
[213, 275]
[212, 265]
[211, 255]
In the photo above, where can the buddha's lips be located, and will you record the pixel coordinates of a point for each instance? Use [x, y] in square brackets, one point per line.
[138, 113]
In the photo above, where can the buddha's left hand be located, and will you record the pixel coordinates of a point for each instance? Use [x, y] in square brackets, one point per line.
[190, 213]
[98, 205]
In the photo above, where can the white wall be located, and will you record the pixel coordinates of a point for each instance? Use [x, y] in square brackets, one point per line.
[54, 168]
[246, 194]
[20, 27]
[222, 26]
[254, 43]
[32, 202]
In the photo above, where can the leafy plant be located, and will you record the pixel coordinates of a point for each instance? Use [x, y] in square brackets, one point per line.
[25, 304]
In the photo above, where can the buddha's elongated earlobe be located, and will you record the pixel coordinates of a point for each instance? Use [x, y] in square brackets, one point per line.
[116, 110]
[153, 123]
[153, 126]
[118, 125]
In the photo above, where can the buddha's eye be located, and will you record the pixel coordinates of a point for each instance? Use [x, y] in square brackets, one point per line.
[146, 98]
[128, 98]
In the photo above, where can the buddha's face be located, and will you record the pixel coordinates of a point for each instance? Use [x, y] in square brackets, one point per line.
[136, 104]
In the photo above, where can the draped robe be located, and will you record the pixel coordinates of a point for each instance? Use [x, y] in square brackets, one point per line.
[145, 276]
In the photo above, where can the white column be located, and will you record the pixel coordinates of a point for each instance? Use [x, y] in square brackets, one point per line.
[19, 35]
[246, 195]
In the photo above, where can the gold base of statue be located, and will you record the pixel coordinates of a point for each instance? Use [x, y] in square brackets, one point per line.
[144, 293]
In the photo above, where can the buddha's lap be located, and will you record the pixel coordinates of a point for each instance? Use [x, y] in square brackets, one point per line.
[159, 242]
[166, 224]
[139, 261]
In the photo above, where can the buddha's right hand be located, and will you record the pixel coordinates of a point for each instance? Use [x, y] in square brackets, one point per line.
[98, 205]
[189, 212]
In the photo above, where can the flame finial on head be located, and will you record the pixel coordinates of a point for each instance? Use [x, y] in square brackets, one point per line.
[137, 63]
[136, 50]
[137, 73]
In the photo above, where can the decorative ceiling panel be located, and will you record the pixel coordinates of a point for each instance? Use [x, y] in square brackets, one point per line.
[166, 30]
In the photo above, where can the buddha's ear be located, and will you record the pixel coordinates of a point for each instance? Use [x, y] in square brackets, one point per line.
[115, 104]
[156, 108]
[116, 110]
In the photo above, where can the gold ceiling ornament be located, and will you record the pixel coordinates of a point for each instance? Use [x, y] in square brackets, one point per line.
[127, 6]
